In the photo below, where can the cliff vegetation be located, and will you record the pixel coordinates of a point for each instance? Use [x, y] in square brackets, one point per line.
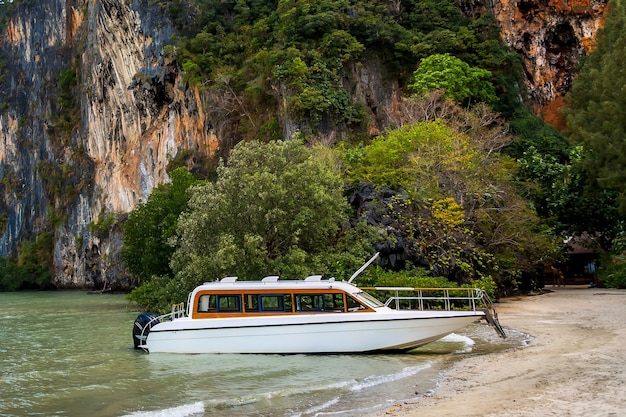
[169, 143]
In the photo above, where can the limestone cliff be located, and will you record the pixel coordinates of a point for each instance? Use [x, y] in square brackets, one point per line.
[92, 109]
[105, 147]
[550, 36]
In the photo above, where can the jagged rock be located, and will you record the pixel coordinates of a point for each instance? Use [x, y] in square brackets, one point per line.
[550, 36]
[376, 206]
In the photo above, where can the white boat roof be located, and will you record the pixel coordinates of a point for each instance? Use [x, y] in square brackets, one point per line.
[274, 282]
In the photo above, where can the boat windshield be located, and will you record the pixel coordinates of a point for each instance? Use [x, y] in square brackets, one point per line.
[369, 299]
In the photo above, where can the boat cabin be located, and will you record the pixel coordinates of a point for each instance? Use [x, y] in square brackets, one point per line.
[271, 297]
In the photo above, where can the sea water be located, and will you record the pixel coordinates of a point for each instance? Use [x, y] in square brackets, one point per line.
[71, 354]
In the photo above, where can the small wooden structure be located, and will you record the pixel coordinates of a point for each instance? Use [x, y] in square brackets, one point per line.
[581, 266]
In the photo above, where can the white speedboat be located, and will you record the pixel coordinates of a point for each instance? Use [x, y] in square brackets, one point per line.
[313, 315]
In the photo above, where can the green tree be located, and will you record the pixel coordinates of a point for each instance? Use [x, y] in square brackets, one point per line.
[247, 41]
[9, 271]
[146, 251]
[456, 78]
[532, 131]
[562, 195]
[33, 267]
[461, 207]
[275, 208]
[596, 104]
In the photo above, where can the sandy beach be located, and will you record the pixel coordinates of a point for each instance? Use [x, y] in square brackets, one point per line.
[574, 365]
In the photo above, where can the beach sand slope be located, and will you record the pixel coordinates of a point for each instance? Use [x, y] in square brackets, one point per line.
[575, 364]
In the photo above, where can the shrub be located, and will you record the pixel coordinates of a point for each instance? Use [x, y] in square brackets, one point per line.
[614, 274]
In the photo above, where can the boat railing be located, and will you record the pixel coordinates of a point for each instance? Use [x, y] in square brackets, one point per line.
[448, 299]
[178, 311]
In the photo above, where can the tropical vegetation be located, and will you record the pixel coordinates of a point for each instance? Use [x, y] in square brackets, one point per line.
[468, 186]
[595, 106]
[465, 187]
[31, 268]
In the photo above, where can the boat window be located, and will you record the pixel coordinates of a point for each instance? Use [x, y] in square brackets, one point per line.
[211, 303]
[354, 305]
[229, 302]
[206, 303]
[369, 299]
[310, 302]
[267, 302]
[288, 300]
[320, 302]
[273, 302]
[333, 302]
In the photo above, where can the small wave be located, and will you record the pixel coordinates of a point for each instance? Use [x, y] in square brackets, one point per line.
[468, 343]
[453, 337]
[180, 411]
[269, 396]
[321, 407]
[341, 384]
[223, 403]
[372, 381]
[309, 390]
[524, 338]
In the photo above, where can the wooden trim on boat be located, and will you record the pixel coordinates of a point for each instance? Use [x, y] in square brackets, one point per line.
[241, 310]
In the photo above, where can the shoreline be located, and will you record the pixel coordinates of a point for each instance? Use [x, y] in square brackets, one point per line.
[574, 365]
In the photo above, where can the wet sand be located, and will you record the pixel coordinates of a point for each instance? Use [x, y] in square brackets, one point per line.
[574, 365]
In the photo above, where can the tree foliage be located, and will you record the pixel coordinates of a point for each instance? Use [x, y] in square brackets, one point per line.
[596, 105]
[456, 78]
[563, 194]
[461, 209]
[32, 269]
[275, 209]
[613, 273]
[299, 53]
[146, 251]
[531, 131]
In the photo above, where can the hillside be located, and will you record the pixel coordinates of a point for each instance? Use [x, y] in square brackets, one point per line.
[99, 99]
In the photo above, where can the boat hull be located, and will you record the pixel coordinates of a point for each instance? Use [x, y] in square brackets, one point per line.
[314, 333]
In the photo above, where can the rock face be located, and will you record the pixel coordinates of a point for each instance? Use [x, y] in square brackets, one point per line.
[92, 109]
[95, 154]
[550, 36]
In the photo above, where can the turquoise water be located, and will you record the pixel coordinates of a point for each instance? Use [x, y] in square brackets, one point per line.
[71, 354]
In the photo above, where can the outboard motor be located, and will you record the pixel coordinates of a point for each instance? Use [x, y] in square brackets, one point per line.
[143, 321]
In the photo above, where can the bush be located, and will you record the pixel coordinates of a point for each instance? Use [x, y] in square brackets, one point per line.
[421, 278]
[416, 278]
[158, 294]
[26, 276]
[614, 274]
